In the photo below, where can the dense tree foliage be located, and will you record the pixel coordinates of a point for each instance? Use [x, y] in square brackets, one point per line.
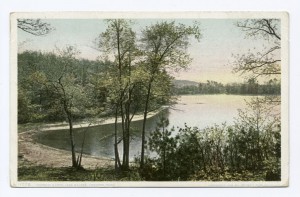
[54, 87]
[38, 86]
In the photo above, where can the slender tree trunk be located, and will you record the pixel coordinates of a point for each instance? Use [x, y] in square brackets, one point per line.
[74, 163]
[128, 122]
[124, 137]
[125, 164]
[127, 118]
[126, 147]
[70, 120]
[164, 151]
[144, 124]
[117, 158]
[203, 160]
[82, 145]
[118, 31]
[69, 116]
[126, 131]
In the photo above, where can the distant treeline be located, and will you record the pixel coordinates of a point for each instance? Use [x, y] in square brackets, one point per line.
[271, 87]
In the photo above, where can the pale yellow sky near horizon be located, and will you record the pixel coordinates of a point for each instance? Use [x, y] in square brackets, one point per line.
[212, 56]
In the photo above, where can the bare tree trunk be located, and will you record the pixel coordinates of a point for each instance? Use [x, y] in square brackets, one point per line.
[127, 132]
[117, 158]
[74, 163]
[126, 135]
[70, 120]
[144, 124]
[125, 163]
[203, 160]
[82, 145]
[127, 124]
[164, 152]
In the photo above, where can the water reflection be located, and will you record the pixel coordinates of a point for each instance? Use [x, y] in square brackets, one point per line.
[195, 110]
[99, 140]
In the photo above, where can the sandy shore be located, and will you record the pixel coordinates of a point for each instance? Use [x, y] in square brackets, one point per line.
[96, 122]
[38, 154]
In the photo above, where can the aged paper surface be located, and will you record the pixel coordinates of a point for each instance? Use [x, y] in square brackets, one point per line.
[225, 53]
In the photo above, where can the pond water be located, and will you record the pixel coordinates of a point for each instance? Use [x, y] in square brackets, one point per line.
[194, 110]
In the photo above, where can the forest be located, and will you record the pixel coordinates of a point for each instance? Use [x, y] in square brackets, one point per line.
[132, 78]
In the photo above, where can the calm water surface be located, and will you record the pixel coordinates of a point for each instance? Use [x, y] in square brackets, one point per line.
[194, 110]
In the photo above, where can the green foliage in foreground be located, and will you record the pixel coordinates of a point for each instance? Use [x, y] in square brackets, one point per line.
[41, 173]
[248, 150]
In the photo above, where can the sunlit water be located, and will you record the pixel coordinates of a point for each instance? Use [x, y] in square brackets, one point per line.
[194, 110]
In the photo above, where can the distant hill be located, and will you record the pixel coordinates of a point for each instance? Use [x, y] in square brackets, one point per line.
[182, 83]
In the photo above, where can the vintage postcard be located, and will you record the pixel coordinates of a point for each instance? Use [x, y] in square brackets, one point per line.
[138, 99]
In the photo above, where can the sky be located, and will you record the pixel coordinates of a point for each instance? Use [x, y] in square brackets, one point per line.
[212, 56]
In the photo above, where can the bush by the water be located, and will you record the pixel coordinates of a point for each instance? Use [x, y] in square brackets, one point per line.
[248, 150]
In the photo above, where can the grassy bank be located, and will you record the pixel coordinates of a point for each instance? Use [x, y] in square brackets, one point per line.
[41, 173]
[30, 172]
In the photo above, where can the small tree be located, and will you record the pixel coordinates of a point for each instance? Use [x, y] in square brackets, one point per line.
[163, 144]
[65, 90]
[164, 47]
[260, 124]
[118, 42]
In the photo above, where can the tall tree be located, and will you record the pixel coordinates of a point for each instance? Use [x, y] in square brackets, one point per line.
[118, 43]
[164, 45]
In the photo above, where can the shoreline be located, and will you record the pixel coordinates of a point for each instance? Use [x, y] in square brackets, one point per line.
[85, 123]
[32, 153]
